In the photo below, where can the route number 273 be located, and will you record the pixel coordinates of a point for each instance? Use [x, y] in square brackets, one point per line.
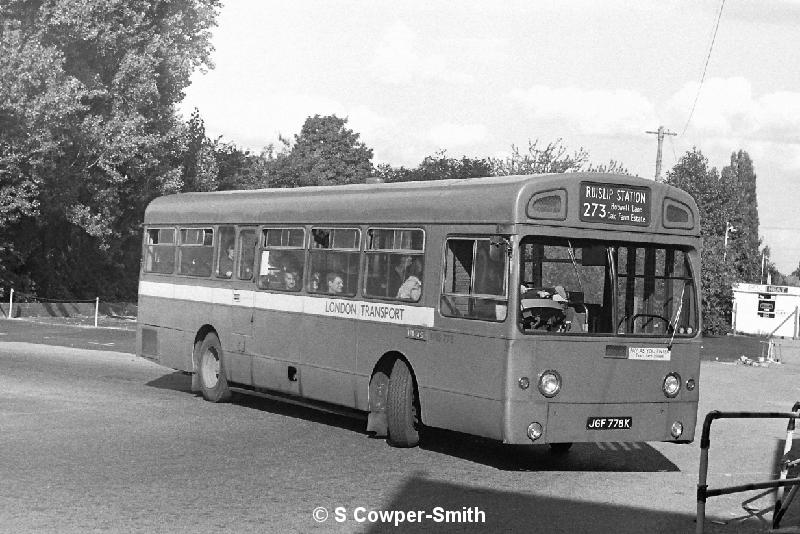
[593, 209]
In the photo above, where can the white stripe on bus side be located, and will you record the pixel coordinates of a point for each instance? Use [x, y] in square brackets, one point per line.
[382, 312]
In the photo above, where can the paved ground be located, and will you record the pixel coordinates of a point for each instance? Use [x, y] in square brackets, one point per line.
[79, 332]
[94, 440]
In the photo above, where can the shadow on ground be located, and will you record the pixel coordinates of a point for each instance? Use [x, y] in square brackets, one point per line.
[595, 457]
[507, 511]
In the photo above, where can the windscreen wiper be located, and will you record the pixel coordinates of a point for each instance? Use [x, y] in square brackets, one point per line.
[677, 317]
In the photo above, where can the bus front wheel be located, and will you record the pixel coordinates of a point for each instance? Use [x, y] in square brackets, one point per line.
[402, 408]
[213, 384]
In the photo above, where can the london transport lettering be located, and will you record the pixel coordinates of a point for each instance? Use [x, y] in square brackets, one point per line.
[360, 310]
[614, 204]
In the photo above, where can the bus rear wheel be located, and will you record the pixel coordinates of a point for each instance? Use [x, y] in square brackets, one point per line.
[402, 408]
[213, 384]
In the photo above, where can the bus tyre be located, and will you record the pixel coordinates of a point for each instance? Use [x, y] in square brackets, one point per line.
[560, 448]
[213, 384]
[402, 407]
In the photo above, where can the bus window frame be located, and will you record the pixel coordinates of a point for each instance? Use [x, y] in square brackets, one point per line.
[180, 245]
[261, 246]
[613, 272]
[217, 251]
[310, 248]
[507, 274]
[366, 251]
[695, 298]
[240, 252]
[146, 243]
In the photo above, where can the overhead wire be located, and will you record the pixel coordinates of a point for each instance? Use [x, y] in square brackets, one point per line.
[705, 68]
[672, 145]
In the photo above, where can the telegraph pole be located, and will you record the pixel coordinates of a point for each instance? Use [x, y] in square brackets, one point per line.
[661, 133]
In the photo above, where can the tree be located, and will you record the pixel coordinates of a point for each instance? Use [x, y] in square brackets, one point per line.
[743, 247]
[792, 279]
[716, 280]
[200, 168]
[716, 204]
[796, 272]
[325, 152]
[437, 167]
[714, 199]
[238, 169]
[90, 89]
[552, 158]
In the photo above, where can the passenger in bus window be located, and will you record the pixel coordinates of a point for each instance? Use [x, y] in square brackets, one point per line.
[411, 288]
[398, 274]
[313, 283]
[225, 267]
[290, 281]
[335, 282]
[246, 270]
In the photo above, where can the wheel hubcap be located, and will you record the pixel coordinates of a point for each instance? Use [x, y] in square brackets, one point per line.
[210, 369]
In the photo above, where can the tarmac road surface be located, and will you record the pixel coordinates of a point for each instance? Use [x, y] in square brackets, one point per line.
[93, 440]
[113, 334]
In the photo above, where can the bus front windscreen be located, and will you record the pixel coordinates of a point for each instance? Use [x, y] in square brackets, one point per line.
[579, 286]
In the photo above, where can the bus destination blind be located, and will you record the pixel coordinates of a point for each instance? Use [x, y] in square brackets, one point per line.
[614, 204]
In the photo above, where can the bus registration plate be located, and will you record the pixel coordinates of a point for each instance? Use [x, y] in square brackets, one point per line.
[609, 423]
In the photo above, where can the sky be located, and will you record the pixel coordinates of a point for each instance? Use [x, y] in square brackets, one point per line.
[474, 78]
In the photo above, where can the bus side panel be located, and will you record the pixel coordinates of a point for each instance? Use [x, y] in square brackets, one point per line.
[276, 347]
[328, 359]
[463, 413]
[462, 381]
[459, 377]
[168, 344]
[165, 346]
[231, 322]
[376, 340]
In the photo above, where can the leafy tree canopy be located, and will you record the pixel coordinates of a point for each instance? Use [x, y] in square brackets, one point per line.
[325, 152]
[89, 130]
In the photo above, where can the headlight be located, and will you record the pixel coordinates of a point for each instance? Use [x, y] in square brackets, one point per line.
[549, 383]
[672, 385]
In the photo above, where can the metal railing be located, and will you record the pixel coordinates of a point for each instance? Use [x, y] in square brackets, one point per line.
[703, 491]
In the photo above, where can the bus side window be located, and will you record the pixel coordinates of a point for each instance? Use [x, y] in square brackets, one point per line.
[247, 253]
[395, 263]
[226, 251]
[475, 280]
[282, 259]
[196, 251]
[334, 260]
[160, 251]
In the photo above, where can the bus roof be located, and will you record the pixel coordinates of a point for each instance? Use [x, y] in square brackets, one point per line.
[493, 200]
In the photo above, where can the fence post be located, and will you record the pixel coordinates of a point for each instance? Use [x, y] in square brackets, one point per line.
[96, 309]
[10, 303]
